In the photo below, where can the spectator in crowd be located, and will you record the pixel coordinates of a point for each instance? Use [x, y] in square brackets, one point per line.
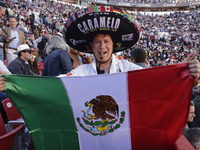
[19, 38]
[33, 63]
[36, 32]
[41, 45]
[31, 22]
[190, 116]
[193, 136]
[196, 100]
[2, 13]
[138, 57]
[58, 60]
[3, 70]
[20, 65]
[79, 58]
[102, 46]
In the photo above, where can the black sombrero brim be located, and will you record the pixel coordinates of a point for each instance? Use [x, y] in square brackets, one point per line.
[83, 25]
[3, 4]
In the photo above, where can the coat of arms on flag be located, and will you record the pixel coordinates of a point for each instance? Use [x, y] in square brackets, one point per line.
[101, 116]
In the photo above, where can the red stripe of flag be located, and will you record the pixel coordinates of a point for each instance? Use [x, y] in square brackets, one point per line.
[140, 29]
[102, 8]
[117, 10]
[68, 22]
[159, 113]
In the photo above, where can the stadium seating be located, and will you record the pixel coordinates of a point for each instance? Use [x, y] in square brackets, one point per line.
[7, 139]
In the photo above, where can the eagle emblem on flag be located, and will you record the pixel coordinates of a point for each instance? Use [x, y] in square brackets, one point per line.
[101, 116]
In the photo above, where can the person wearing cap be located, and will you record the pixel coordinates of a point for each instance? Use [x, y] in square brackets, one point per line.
[104, 33]
[20, 65]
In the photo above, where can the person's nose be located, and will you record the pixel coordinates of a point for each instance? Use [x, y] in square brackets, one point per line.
[102, 45]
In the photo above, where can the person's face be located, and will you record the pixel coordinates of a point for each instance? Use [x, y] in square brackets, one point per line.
[191, 114]
[102, 47]
[33, 57]
[26, 55]
[13, 22]
[48, 36]
[2, 13]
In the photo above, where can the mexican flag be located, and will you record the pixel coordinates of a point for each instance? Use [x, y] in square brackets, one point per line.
[139, 110]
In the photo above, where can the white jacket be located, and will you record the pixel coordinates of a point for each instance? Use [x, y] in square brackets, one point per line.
[116, 66]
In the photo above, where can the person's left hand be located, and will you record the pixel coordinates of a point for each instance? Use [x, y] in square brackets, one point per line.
[1, 32]
[194, 65]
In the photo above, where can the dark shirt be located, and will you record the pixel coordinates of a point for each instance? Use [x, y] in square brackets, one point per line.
[19, 66]
[42, 44]
[56, 63]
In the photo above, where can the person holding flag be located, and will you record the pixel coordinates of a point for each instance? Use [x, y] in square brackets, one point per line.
[103, 31]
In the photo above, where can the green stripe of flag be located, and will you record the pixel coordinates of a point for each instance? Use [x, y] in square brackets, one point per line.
[51, 127]
[95, 8]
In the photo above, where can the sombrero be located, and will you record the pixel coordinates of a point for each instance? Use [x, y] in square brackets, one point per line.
[3, 4]
[84, 24]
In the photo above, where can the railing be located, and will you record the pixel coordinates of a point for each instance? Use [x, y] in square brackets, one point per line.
[148, 4]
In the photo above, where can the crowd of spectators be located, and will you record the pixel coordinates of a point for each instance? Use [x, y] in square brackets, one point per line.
[38, 20]
[167, 39]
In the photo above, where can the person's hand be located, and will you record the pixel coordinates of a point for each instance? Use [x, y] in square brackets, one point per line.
[1, 32]
[2, 84]
[9, 40]
[194, 65]
[83, 55]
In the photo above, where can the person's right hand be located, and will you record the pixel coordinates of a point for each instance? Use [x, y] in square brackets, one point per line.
[2, 84]
[9, 40]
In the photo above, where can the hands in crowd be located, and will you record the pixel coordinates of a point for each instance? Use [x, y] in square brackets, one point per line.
[2, 82]
[9, 40]
[194, 65]
[1, 32]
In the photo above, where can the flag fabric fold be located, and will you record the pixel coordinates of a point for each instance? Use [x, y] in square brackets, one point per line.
[139, 110]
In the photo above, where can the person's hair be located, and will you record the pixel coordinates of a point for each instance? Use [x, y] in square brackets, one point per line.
[12, 17]
[193, 136]
[34, 67]
[1, 8]
[55, 42]
[192, 103]
[139, 55]
[19, 54]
